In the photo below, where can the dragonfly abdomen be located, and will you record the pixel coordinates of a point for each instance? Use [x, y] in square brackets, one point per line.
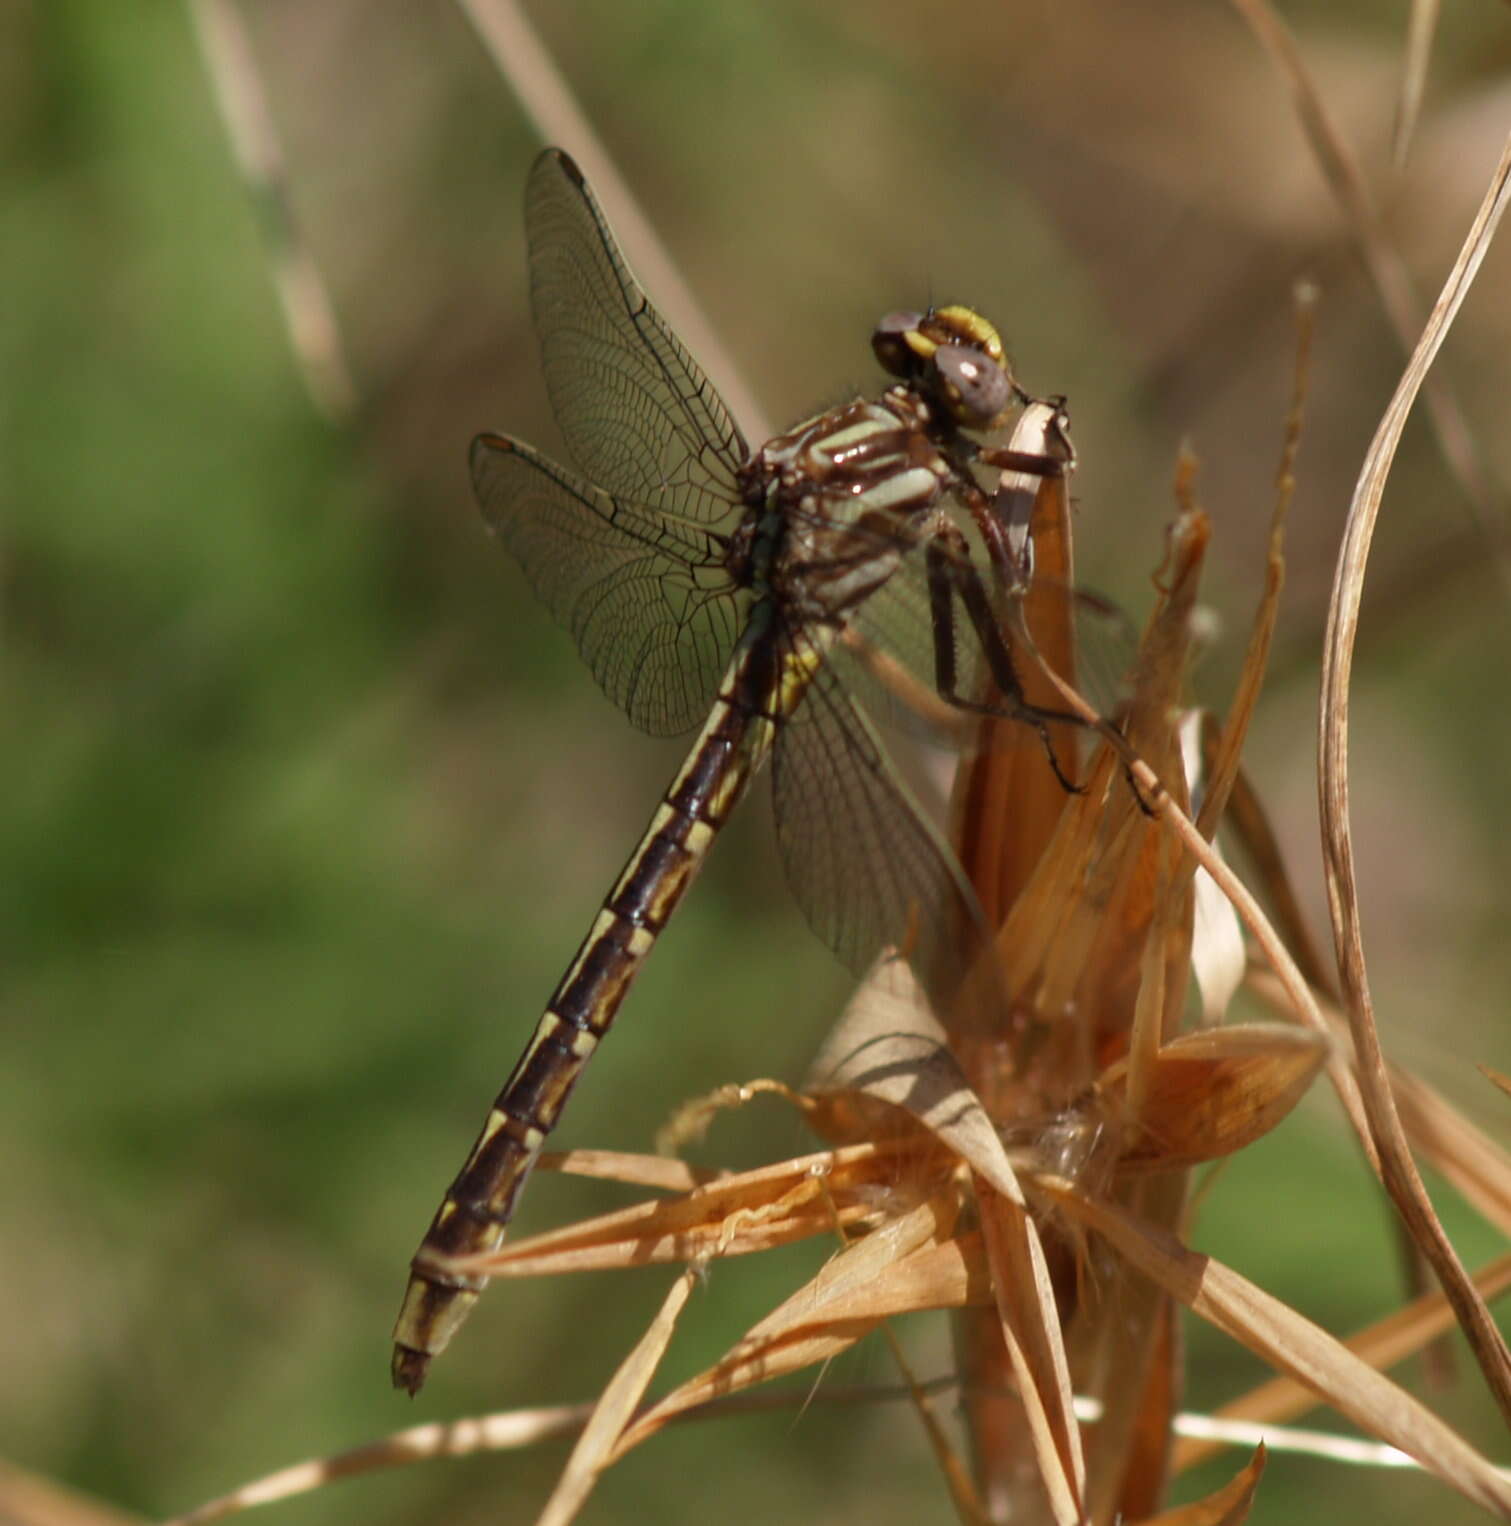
[472, 1219]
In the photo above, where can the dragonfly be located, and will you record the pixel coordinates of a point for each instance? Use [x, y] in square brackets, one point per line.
[744, 592]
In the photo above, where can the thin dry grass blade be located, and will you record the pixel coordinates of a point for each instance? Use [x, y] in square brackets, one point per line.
[1497, 1078]
[1222, 767]
[1399, 1170]
[1227, 1506]
[629, 1168]
[308, 313]
[1382, 1344]
[420, 1443]
[531, 73]
[734, 1216]
[1385, 266]
[1128, 1451]
[28, 1499]
[1299, 1001]
[1036, 1349]
[1419, 34]
[508, 1431]
[615, 1409]
[1329, 1446]
[1176, 901]
[908, 1264]
[888, 1048]
[1292, 1344]
[968, 1507]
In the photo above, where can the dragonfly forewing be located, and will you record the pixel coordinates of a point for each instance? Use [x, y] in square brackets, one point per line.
[639, 416]
[643, 592]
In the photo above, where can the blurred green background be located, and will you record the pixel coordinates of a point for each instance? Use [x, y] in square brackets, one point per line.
[305, 804]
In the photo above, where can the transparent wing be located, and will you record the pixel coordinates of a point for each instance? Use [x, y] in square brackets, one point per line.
[891, 647]
[639, 416]
[645, 595]
[867, 868]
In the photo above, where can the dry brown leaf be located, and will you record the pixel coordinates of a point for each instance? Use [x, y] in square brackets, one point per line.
[1227, 1506]
[908, 1264]
[1211, 1093]
[1081, 921]
[1137, 1378]
[1090, 919]
[1004, 788]
[889, 1048]
[1036, 1350]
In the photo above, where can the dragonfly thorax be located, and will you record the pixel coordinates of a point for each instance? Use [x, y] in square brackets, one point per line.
[841, 497]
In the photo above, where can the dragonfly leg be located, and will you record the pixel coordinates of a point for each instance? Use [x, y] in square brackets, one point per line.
[1031, 463]
[949, 575]
[950, 571]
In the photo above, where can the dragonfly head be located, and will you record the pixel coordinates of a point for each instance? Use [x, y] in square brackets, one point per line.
[955, 357]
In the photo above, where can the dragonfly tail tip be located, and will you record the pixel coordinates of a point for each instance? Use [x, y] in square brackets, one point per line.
[410, 1368]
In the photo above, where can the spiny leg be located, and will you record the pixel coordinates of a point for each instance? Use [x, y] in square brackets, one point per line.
[950, 574]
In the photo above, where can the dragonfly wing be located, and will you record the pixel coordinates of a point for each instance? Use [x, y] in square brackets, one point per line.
[867, 867]
[639, 416]
[645, 595]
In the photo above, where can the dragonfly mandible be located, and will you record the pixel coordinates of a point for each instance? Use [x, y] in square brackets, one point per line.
[705, 582]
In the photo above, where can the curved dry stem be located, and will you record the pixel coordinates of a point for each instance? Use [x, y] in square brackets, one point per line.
[1398, 1169]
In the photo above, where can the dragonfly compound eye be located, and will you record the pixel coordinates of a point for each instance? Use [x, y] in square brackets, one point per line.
[974, 386]
[894, 343]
